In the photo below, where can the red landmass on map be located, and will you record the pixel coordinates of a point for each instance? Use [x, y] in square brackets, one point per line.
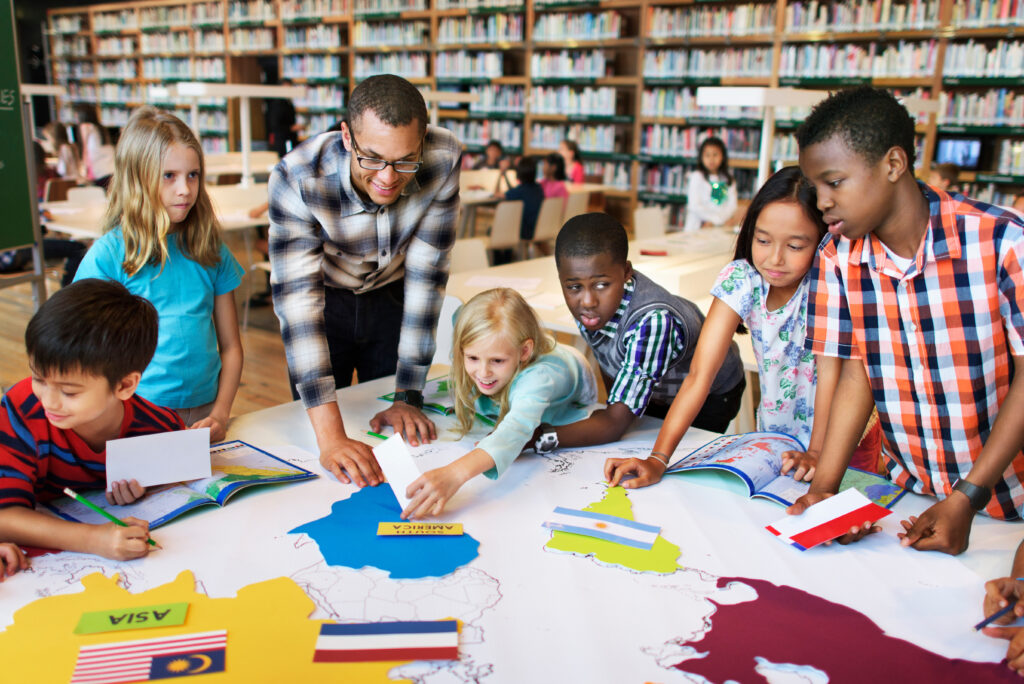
[788, 625]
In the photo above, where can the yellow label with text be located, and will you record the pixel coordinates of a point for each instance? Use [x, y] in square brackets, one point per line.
[391, 529]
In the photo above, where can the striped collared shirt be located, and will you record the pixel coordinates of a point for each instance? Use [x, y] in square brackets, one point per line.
[652, 344]
[323, 233]
[936, 341]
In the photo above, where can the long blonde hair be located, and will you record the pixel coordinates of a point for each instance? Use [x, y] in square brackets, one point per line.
[135, 203]
[501, 311]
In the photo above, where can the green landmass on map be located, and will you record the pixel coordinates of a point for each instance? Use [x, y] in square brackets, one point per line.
[872, 486]
[660, 558]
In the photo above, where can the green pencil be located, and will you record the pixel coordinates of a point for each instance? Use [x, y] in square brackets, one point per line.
[376, 434]
[89, 504]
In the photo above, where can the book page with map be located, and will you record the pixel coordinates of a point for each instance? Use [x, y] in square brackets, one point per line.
[756, 457]
[235, 465]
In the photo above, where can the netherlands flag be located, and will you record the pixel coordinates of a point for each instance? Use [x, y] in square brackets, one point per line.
[601, 526]
[827, 520]
[148, 659]
[381, 641]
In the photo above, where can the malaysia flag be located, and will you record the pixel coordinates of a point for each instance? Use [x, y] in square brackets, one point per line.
[144, 660]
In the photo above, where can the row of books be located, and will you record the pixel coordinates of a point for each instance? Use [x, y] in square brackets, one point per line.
[114, 117]
[989, 192]
[115, 47]
[584, 26]
[463, 64]
[214, 145]
[498, 98]
[390, 33]
[251, 10]
[684, 141]
[170, 41]
[317, 36]
[322, 97]
[491, 28]
[665, 179]
[729, 20]
[251, 39]
[405, 64]
[993, 107]
[379, 6]
[590, 137]
[565, 100]
[682, 103]
[318, 123]
[1003, 59]
[614, 174]
[167, 67]
[985, 13]
[115, 21]
[508, 133]
[481, 4]
[1011, 157]
[862, 15]
[209, 41]
[569, 64]
[313, 9]
[75, 46]
[901, 60]
[311, 66]
[121, 69]
[683, 63]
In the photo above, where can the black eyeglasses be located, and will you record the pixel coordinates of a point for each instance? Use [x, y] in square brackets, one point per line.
[373, 164]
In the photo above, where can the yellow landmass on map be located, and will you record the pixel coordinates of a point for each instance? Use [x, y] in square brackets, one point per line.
[270, 635]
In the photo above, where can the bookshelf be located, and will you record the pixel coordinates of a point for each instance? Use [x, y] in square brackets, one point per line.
[617, 76]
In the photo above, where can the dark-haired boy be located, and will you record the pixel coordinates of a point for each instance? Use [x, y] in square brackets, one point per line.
[87, 347]
[921, 294]
[642, 335]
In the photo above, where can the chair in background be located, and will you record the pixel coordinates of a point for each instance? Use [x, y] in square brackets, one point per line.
[56, 189]
[549, 222]
[468, 255]
[575, 205]
[649, 223]
[87, 194]
[446, 330]
[508, 216]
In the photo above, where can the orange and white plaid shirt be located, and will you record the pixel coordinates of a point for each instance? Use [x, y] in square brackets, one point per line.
[936, 341]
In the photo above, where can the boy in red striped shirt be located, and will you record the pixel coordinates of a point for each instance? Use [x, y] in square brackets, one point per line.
[87, 347]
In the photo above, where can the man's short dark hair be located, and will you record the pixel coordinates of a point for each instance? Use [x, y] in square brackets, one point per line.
[588, 235]
[393, 99]
[95, 327]
[870, 120]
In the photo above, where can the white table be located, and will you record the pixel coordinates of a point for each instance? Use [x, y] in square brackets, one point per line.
[531, 614]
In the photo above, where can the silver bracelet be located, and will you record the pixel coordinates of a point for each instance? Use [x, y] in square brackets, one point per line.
[663, 456]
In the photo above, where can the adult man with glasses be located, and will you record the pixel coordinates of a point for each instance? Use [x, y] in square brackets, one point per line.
[361, 226]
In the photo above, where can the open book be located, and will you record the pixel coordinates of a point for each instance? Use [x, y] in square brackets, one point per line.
[236, 465]
[437, 397]
[756, 457]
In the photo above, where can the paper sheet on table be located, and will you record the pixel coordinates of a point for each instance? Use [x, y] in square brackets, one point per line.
[160, 459]
[398, 465]
[547, 300]
[523, 285]
[827, 519]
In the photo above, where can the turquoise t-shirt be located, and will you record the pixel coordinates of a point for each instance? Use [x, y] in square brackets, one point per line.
[185, 369]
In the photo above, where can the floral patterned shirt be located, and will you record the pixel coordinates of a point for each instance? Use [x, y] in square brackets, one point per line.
[788, 375]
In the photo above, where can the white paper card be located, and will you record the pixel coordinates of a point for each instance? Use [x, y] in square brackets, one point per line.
[160, 459]
[398, 465]
[821, 513]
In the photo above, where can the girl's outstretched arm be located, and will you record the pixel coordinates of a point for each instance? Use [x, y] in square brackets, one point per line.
[712, 347]
[430, 492]
[804, 463]
[225, 320]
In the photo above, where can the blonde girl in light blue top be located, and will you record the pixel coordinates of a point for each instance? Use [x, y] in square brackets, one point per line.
[503, 364]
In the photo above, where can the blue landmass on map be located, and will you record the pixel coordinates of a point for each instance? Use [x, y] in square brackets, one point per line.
[348, 537]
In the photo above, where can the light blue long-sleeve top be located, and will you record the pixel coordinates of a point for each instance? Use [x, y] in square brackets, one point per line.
[550, 390]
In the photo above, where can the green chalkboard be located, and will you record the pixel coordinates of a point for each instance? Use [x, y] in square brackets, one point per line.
[15, 187]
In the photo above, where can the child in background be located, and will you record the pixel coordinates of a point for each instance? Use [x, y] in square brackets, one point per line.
[503, 364]
[553, 182]
[492, 157]
[98, 156]
[163, 243]
[765, 288]
[87, 347]
[532, 196]
[945, 371]
[642, 336]
[570, 152]
[711, 190]
[69, 162]
[945, 177]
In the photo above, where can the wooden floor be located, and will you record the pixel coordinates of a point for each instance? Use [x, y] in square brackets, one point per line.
[264, 373]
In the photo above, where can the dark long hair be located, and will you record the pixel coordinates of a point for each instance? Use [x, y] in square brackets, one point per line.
[724, 168]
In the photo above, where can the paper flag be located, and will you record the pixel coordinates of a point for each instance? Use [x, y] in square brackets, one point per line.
[399, 468]
[147, 659]
[827, 520]
[137, 617]
[376, 641]
[601, 526]
[168, 457]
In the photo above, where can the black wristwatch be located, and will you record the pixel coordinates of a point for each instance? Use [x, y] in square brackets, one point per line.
[413, 398]
[978, 496]
[548, 440]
